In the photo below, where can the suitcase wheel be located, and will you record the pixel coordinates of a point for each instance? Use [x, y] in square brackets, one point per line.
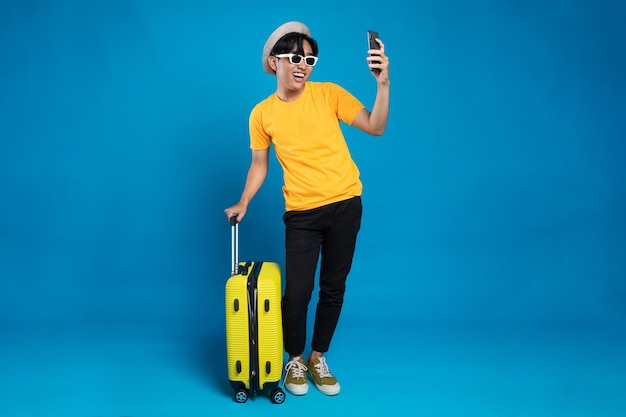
[241, 396]
[278, 396]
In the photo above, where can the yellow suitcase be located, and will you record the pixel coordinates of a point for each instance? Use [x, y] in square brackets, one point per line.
[254, 339]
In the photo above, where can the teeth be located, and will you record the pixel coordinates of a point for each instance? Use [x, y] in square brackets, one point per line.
[298, 74]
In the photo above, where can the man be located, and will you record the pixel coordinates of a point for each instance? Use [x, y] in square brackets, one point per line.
[322, 189]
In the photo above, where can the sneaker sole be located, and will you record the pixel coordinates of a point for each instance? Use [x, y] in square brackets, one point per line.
[328, 389]
[301, 389]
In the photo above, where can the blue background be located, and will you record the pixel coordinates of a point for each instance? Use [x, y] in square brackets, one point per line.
[489, 274]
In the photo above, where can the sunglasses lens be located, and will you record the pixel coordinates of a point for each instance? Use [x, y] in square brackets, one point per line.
[295, 59]
[310, 60]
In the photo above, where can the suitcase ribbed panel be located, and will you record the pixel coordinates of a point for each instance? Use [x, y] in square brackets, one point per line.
[270, 324]
[237, 330]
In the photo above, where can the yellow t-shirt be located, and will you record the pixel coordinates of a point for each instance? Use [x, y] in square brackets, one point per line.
[309, 144]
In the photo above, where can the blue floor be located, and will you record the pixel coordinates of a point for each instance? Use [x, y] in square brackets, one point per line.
[414, 370]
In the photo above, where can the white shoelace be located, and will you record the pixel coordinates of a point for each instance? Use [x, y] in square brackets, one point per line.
[296, 368]
[322, 369]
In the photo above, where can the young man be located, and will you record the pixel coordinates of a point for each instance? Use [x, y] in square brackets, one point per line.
[321, 188]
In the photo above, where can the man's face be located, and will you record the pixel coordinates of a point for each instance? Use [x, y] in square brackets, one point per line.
[293, 76]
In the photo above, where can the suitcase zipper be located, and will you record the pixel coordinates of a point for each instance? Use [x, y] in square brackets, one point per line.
[253, 326]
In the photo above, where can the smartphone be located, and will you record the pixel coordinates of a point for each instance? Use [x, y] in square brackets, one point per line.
[372, 44]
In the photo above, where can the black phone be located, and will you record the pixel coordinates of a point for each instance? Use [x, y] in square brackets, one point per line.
[372, 44]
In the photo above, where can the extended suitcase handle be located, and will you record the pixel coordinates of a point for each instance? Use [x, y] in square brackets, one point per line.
[234, 244]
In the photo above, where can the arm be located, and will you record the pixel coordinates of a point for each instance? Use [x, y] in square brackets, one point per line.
[375, 122]
[256, 176]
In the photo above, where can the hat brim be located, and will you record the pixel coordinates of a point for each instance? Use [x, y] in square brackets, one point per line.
[281, 31]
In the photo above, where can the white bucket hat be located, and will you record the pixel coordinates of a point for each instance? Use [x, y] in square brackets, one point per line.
[281, 31]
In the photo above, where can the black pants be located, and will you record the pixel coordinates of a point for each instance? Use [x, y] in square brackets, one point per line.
[330, 230]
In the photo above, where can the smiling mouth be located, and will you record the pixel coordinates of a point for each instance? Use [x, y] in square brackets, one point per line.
[298, 74]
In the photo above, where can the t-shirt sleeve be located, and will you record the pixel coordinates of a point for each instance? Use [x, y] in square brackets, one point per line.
[259, 138]
[347, 105]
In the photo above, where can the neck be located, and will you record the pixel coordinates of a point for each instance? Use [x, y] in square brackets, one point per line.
[286, 94]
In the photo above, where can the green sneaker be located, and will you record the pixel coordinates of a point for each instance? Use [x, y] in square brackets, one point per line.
[324, 380]
[295, 377]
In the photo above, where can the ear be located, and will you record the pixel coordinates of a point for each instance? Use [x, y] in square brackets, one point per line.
[271, 60]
